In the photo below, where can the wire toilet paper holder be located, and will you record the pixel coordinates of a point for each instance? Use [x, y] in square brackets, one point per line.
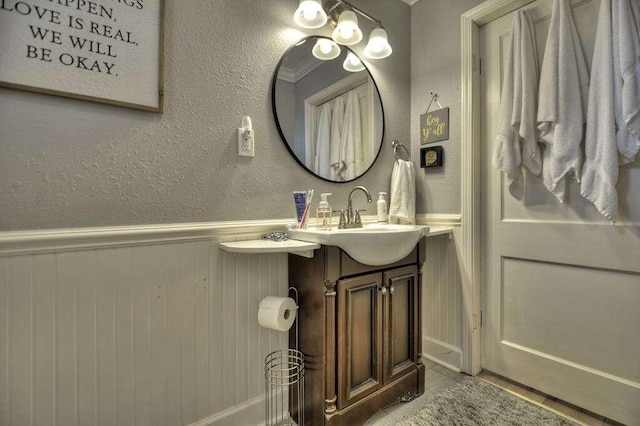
[284, 382]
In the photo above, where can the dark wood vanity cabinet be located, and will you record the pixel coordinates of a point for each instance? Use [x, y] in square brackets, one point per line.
[359, 328]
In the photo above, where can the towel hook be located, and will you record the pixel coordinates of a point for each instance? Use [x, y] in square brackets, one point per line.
[434, 97]
[396, 144]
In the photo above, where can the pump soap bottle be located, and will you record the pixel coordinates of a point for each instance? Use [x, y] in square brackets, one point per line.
[382, 208]
[323, 214]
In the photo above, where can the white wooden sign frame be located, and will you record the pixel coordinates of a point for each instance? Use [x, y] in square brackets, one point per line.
[97, 50]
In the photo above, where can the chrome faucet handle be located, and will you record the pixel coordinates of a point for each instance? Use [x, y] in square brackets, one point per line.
[357, 220]
[343, 222]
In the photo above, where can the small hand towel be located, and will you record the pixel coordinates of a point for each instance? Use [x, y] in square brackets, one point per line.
[600, 170]
[402, 205]
[562, 105]
[626, 70]
[351, 143]
[323, 142]
[336, 172]
[517, 140]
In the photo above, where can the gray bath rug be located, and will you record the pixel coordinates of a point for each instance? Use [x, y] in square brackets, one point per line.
[474, 402]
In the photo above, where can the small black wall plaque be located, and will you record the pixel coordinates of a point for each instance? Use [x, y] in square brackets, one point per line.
[432, 156]
[434, 126]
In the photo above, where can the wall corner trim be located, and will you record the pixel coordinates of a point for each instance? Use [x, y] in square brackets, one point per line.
[470, 247]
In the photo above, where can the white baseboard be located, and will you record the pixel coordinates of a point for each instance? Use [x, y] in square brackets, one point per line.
[442, 353]
[251, 412]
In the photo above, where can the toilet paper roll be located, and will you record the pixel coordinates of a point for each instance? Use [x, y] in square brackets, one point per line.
[277, 313]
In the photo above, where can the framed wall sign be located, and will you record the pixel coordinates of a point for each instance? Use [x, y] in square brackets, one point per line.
[98, 50]
[431, 157]
[434, 126]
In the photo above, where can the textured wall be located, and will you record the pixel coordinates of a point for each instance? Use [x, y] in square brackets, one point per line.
[66, 163]
[435, 67]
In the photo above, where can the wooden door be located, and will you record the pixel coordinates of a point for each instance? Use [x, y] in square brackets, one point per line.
[561, 287]
[359, 338]
[400, 322]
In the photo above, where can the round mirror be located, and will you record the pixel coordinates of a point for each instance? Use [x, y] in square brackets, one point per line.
[328, 109]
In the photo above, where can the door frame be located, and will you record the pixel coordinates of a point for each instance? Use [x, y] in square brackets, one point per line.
[470, 248]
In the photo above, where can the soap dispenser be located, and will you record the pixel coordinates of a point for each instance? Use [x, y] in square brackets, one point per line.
[382, 208]
[323, 214]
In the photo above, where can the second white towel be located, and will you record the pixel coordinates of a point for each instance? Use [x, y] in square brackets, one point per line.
[562, 105]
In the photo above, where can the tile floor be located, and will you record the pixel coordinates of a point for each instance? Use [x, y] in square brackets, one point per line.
[439, 378]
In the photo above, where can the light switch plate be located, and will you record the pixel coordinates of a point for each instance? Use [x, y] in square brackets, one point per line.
[246, 143]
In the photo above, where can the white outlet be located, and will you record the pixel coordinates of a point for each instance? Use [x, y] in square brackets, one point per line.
[246, 143]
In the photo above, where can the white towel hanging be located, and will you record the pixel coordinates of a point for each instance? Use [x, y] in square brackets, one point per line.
[517, 140]
[402, 205]
[626, 69]
[600, 170]
[562, 105]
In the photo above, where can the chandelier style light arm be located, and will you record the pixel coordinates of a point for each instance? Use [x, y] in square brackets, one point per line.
[342, 16]
[355, 9]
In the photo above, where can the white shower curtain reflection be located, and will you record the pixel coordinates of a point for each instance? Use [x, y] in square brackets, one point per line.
[352, 152]
[337, 124]
[323, 141]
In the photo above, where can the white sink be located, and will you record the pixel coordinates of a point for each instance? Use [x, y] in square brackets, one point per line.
[374, 244]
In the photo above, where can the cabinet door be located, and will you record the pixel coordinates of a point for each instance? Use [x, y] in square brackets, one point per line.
[400, 322]
[359, 338]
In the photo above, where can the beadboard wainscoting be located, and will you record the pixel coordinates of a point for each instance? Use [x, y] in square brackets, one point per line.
[155, 325]
[135, 325]
[442, 298]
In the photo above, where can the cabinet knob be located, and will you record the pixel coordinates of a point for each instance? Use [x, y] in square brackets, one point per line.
[391, 289]
[384, 290]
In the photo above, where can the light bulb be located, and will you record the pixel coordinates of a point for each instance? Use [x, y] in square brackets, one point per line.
[378, 46]
[325, 49]
[353, 63]
[309, 13]
[346, 32]
[325, 46]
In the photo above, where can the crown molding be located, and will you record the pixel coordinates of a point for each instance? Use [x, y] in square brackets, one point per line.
[292, 75]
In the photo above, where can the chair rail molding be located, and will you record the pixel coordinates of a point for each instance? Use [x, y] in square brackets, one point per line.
[470, 260]
[26, 242]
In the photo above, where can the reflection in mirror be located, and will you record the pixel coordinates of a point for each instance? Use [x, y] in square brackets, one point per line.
[330, 118]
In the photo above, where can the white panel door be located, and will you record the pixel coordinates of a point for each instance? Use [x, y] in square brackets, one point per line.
[561, 287]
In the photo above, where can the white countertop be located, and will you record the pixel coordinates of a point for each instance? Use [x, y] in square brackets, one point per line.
[302, 248]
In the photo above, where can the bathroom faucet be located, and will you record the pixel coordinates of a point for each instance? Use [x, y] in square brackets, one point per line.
[353, 221]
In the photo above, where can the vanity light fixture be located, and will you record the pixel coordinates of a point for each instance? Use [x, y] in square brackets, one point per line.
[326, 49]
[378, 46]
[353, 63]
[310, 14]
[342, 16]
[347, 31]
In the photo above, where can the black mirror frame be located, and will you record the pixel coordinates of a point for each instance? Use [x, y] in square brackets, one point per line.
[284, 139]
